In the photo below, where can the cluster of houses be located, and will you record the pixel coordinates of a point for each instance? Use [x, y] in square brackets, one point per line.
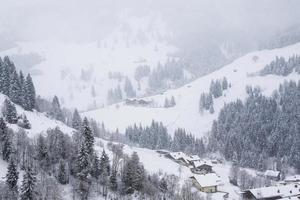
[203, 178]
[289, 189]
[137, 102]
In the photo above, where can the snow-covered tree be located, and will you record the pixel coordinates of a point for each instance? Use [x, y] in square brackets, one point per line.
[56, 111]
[28, 187]
[30, 96]
[12, 177]
[76, 120]
[9, 112]
[88, 136]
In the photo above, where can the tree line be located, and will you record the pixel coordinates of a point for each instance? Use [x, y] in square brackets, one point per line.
[282, 67]
[262, 130]
[19, 89]
[156, 137]
[216, 89]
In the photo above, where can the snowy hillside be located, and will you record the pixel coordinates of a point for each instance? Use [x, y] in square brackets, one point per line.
[40, 123]
[185, 114]
[72, 70]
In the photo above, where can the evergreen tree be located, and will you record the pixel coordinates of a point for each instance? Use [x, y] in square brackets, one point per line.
[83, 164]
[28, 188]
[113, 181]
[12, 176]
[22, 89]
[9, 112]
[3, 130]
[56, 111]
[95, 171]
[163, 186]
[5, 77]
[62, 175]
[30, 96]
[15, 89]
[88, 137]
[76, 120]
[224, 83]
[172, 102]
[104, 171]
[7, 148]
[166, 104]
[128, 88]
[133, 175]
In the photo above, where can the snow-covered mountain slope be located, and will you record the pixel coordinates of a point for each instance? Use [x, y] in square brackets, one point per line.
[70, 70]
[186, 112]
[40, 123]
[157, 163]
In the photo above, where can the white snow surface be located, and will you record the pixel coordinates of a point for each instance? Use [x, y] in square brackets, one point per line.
[186, 112]
[40, 123]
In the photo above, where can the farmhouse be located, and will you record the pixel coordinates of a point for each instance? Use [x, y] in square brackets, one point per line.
[272, 193]
[202, 167]
[179, 157]
[206, 183]
[273, 175]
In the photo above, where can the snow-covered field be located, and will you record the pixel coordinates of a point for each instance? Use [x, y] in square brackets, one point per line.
[185, 114]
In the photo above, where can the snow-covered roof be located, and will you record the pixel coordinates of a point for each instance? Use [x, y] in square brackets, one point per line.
[193, 158]
[179, 155]
[199, 163]
[293, 178]
[207, 180]
[272, 173]
[290, 198]
[276, 191]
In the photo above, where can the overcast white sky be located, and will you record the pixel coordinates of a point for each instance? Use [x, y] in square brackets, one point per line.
[90, 19]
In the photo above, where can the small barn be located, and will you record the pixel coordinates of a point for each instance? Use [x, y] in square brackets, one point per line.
[207, 183]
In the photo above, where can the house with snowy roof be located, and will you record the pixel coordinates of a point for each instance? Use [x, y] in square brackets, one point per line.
[272, 175]
[273, 192]
[292, 179]
[193, 158]
[206, 182]
[179, 157]
[202, 167]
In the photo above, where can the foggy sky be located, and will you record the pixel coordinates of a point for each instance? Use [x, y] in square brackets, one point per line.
[78, 20]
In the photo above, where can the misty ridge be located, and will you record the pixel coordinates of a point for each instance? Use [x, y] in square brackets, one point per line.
[208, 34]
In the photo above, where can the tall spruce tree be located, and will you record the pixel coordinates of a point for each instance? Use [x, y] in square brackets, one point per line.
[15, 88]
[62, 175]
[7, 148]
[113, 181]
[88, 136]
[3, 130]
[30, 96]
[12, 176]
[9, 112]
[76, 120]
[5, 76]
[95, 170]
[28, 188]
[56, 111]
[22, 89]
